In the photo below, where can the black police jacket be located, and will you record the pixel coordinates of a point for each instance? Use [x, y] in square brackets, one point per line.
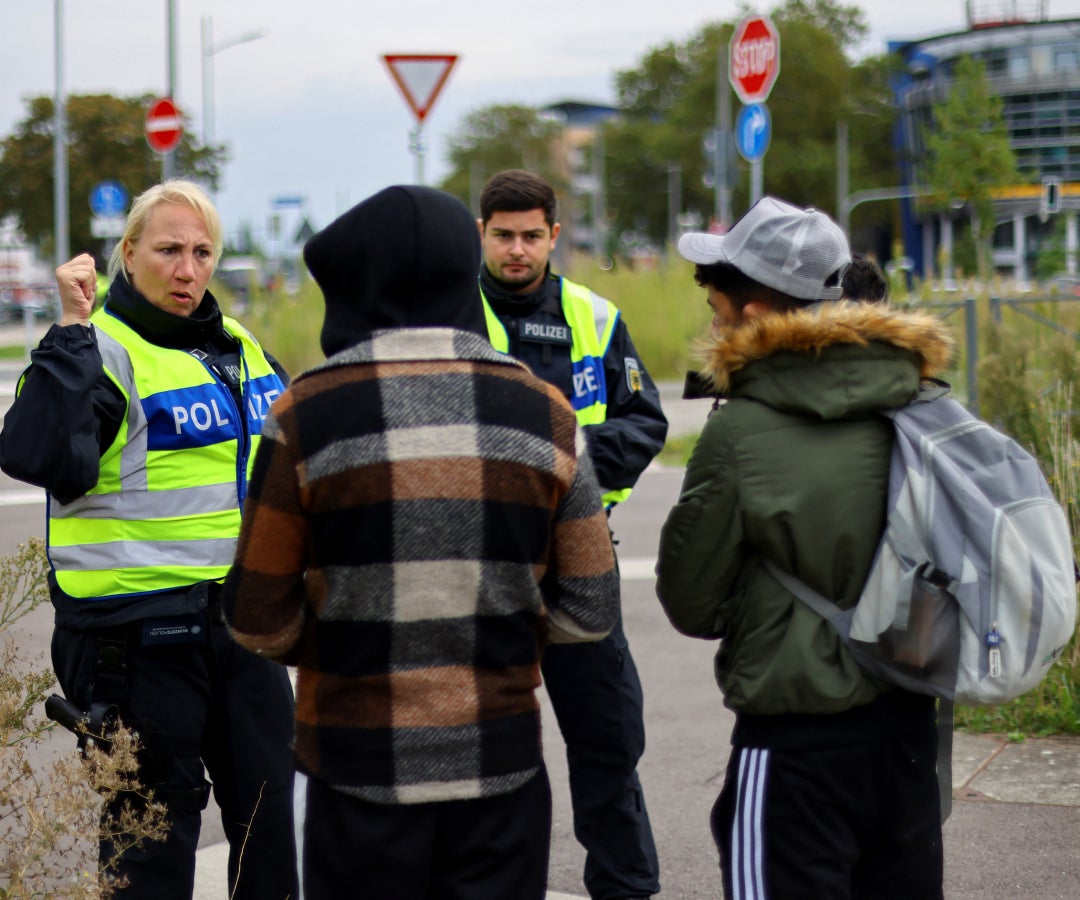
[622, 446]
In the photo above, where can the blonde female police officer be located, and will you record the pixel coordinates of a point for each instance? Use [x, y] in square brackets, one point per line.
[140, 420]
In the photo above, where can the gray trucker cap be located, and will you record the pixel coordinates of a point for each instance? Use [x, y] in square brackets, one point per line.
[796, 251]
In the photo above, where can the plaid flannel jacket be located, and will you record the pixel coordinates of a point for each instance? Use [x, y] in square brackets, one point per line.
[422, 517]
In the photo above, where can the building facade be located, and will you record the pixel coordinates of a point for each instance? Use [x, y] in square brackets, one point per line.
[579, 155]
[1033, 64]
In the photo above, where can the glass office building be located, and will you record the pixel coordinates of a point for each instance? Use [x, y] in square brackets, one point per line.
[1033, 64]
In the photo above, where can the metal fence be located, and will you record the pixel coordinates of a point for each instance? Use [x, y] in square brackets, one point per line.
[968, 307]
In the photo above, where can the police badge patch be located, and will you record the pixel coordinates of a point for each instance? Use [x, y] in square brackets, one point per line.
[633, 374]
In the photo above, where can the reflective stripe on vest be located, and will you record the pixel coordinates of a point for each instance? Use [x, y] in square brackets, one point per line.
[592, 321]
[165, 512]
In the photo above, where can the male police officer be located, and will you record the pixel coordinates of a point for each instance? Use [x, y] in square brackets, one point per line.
[577, 341]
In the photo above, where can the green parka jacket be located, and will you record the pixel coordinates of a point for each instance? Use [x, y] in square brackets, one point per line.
[793, 468]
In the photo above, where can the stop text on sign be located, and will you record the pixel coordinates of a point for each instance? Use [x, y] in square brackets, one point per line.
[754, 57]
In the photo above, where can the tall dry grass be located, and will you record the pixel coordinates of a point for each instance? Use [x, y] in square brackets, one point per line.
[51, 809]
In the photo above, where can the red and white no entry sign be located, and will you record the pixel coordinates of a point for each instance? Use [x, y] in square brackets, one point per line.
[754, 59]
[163, 126]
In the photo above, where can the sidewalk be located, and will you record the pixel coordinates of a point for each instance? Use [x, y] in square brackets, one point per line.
[19, 334]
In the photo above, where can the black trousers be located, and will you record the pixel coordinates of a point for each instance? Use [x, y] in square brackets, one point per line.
[858, 822]
[493, 848]
[205, 705]
[596, 695]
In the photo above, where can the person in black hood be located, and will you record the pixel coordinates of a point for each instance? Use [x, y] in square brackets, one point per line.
[423, 517]
[396, 261]
[140, 420]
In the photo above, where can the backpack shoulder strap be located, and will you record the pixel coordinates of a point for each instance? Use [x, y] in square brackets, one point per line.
[930, 389]
[818, 603]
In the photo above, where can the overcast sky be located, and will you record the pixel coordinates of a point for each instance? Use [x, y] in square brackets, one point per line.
[310, 110]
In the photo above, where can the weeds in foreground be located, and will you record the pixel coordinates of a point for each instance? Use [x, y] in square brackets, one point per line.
[51, 812]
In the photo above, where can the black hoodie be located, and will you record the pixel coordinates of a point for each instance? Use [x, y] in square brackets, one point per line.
[406, 257]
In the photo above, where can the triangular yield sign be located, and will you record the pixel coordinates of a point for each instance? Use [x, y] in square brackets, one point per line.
[420, 78]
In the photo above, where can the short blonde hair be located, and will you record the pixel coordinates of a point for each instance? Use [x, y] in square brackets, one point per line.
[172, 191]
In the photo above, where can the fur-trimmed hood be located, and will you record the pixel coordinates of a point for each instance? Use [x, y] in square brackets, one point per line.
[823, 325]
[831, 360]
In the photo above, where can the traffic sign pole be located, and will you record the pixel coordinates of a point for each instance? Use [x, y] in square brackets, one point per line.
[168, 156]
[417, 147]
[722, 161]
[757, 180]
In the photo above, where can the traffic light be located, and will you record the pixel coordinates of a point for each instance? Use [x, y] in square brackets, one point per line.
[1051, 196]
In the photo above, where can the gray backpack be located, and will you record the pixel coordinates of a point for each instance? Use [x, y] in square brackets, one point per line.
[972, 593]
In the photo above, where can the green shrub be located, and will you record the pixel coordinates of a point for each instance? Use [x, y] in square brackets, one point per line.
[287, 325]
[662, 306]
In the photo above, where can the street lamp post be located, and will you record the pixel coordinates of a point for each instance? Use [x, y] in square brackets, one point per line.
[168, 159]
[209, 49]
[847, 201]
[60, 154]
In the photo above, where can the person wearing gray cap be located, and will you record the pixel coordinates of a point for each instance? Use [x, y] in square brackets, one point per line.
[830, 789]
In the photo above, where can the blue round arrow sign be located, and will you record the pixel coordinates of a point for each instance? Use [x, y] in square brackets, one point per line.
[108, 198]
[753, 130]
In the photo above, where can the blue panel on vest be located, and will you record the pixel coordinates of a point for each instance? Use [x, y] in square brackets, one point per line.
[589, 384]
[192, 417]
[260, 394]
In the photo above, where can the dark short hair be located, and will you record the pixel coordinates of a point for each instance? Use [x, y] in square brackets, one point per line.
[864, 280]
[516, 190]
[741, 289]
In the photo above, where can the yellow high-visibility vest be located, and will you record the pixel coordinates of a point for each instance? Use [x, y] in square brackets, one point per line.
[592, 321]
[165, 512]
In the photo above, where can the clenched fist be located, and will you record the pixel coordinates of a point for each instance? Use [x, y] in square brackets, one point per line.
[76, 282]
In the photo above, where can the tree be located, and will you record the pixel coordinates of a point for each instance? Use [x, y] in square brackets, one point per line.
[845, 24]
[662, 125]
[668, 105]
[669, 102]
[500, 137]
[1053, 256]
[105, 141]
[969, 153]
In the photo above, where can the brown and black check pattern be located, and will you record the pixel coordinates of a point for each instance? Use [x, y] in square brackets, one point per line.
[422, 516]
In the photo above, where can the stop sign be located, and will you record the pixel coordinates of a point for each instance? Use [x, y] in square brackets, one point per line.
[754, 59]
[163, 126]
